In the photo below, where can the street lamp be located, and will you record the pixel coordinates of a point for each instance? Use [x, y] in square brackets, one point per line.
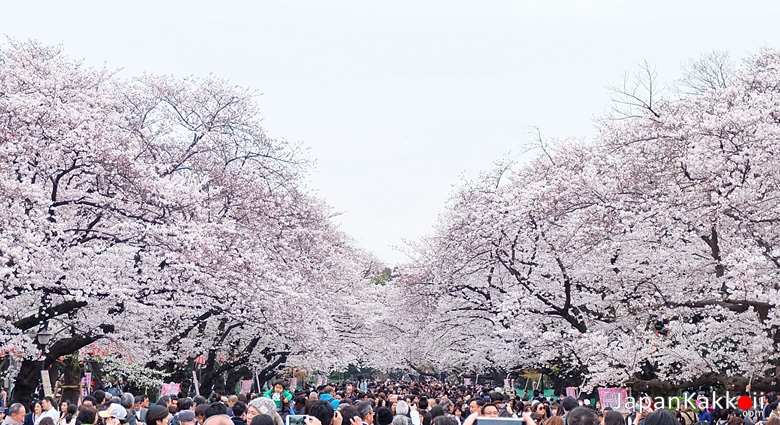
[43, 337]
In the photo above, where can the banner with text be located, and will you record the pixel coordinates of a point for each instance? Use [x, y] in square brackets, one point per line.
[614, 398]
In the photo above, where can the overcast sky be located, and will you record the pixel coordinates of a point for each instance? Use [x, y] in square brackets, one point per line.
[398, 101]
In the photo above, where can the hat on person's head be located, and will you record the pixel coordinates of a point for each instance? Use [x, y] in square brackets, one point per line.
[384, 416]
[115, 411]
[264, 405]
[186, 416]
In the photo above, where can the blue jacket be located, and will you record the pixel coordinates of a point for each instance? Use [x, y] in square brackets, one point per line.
[329, 398]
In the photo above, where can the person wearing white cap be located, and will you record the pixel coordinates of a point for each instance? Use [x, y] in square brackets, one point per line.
[114, 415]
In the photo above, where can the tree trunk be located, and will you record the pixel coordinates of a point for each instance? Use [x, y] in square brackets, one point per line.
[26, 382]
[72, 371]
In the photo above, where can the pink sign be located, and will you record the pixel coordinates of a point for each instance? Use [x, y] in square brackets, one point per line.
[466, 381]
[614, 398]
[293, 383]
[246, 386]
[170, 389]
[571, 392]
[319, 381]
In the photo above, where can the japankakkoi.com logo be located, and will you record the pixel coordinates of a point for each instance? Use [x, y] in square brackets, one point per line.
[725, 400]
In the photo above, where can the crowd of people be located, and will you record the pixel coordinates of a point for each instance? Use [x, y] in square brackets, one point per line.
[361, 403]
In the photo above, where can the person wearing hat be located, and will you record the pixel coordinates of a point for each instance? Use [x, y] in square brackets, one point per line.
[114, 414]
[187, 417]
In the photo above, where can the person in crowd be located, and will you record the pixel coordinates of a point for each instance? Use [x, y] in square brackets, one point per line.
[63, 411]
[14, 415]
[329, 394]
[114, 414]
[158, 414]
[49, 409]
[442, 420]
[774, 410]
[138, 407]
[402, 412]
[187, 417]
[70, 417]
[384, 416]
[568, 404]
[475, 405]
[281, 397]
[436, 411]
[555, 420]
[457, 415]
[200, 412]
[685, 416]
[349, 411]
[490, 410]
[100, 399]
[221, 419]
[365, 412]
[541, 410]
[350, 393]
[769, 399]
[323, 413]
[612, 417]
[239, 413]
[34, 416]
[87, 415]
[582, 416]
[706, 415]
[262, 420]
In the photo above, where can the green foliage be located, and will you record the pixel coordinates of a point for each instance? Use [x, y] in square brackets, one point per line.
[384, 277]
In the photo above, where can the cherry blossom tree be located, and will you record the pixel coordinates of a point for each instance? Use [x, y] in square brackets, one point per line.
[647, 257]
[155, 219]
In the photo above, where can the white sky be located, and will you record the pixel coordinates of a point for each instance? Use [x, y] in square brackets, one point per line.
[398, 100]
